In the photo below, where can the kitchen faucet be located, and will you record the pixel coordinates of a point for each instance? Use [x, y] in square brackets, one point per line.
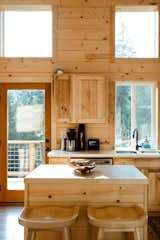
[135, 131]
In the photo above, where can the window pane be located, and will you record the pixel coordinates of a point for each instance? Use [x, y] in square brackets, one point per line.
[26, 114]
[136, 33]
[134, 109]
[123, 116]
[28, 33]
[143, 112]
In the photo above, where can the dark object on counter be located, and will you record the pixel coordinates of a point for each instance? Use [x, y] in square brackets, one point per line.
[85, 169]
[81, 137]
[93, 144]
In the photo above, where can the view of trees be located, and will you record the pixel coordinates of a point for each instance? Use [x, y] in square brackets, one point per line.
[123, 115]
[139, 117]
[124, 47]
[20, 98]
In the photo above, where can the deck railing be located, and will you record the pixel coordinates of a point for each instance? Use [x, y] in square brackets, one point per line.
[24, 156]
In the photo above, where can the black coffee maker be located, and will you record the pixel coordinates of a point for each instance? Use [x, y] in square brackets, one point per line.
[81, 137]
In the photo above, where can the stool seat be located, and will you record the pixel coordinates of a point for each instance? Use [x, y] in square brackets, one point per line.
[117, 216]
[48, 217]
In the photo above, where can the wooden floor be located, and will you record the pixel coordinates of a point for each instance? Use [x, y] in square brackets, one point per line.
[9, 226]
[11, 230]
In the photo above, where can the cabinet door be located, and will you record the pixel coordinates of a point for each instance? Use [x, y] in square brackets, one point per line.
[154, 191]
[58, 160]
[153, 188]
[63, 98]
[151, 169]
[89, 99]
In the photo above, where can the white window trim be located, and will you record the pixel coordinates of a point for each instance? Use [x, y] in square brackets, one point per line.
[1, 33]
[154, 95]
[154, 119]
[136, 8]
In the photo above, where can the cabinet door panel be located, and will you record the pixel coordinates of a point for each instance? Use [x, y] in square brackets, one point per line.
[151, 169]
[90, 102]
[63, 98]
[154, 191]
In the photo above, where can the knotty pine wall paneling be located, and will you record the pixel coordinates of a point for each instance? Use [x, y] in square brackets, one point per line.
[83, 38]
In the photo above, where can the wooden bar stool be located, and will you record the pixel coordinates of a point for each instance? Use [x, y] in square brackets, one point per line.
[48, 218]
[117, 219]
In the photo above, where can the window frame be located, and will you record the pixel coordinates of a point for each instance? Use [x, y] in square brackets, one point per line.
[139, 8]
[30, 7]
[154, 108]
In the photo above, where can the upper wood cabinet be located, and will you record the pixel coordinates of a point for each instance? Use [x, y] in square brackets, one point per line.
[89, 98]
[62, 100]
[81, 98]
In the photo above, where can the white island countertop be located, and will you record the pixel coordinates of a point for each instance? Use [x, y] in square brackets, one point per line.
[101, 154]
[113, 174]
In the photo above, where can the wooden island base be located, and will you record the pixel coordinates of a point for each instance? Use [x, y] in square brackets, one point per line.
[110, 185]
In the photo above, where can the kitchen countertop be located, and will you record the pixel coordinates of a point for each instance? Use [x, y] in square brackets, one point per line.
[101, 154]
[103, 174]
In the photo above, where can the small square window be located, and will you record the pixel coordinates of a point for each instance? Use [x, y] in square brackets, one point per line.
[26, 32]
[136, 32]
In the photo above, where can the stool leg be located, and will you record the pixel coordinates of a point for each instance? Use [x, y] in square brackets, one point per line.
[30, 235]
[67, 233]
[100, 234]
[137, 234]
[33, 235]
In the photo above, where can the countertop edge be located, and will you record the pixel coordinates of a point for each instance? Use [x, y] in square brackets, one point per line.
[101, 154]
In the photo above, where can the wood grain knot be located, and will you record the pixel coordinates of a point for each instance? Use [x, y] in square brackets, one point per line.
[49, 196]
[84, 193]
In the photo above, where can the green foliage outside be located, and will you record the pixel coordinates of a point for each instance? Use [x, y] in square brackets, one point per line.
[17, 98]
[124, 47]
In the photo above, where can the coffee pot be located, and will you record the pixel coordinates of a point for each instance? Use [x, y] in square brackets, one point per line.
[71, 140]
[81, 137]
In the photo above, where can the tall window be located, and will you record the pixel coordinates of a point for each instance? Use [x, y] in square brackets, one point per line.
[136, 32]
[135, 108]
[26, 32]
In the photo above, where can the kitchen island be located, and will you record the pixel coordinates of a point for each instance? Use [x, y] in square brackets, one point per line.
[106, 185]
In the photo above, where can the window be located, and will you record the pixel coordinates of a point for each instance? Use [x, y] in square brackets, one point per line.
[136, 32]
[26, 32]
[135, 108]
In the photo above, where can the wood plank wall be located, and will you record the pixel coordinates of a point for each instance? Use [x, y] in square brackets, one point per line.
[83, 43]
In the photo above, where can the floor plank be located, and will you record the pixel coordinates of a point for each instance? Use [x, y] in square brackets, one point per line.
[9, 226]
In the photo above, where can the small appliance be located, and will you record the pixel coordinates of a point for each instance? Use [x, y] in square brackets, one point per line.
[93, 144]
